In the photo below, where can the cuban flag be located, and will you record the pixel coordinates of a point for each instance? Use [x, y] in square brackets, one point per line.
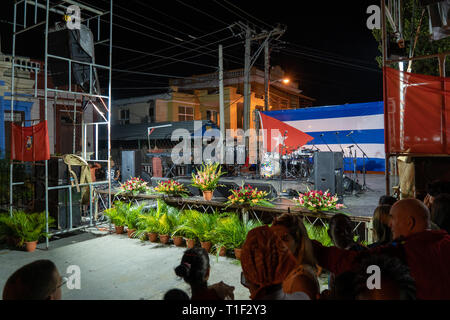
[342, 127]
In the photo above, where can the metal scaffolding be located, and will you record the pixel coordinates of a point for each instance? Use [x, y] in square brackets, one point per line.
[391, 17]
[88, 14]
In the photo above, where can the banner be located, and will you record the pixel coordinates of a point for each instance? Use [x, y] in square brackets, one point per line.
[30, 143]
[418, 113]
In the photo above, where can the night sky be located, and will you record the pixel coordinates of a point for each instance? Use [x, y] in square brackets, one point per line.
[327, 47]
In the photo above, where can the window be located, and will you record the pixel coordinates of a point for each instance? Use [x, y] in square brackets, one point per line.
[185, 113]
[125, 116]
[151, 111]
[211, 115]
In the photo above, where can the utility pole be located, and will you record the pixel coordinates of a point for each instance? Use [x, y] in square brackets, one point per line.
[221, 98]
[266, 76]
[247, 88]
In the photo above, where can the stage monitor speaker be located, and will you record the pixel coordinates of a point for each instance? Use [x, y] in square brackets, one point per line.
[328, 172]
[187, 184]
[225, 190]
[58, 200]
[131, 164]
[271, 191]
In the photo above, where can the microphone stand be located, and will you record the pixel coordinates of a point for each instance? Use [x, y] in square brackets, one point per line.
[321, 137]
[353, 158]
[364, 164]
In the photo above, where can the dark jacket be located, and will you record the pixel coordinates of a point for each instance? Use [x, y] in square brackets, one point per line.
[427, 255]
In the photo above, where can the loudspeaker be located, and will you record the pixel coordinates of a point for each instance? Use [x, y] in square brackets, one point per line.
[224, 191]
[71, 44]
[58, 200]
[131, 164]
[272, 192]
[328, 172]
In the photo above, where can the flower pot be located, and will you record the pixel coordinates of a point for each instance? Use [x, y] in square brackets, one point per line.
[206, 245]
[178, 241]
[190, 243]
[237, 253]
[164, 238]
[152, 236]
[30, 246]
[119, 229]
[207, 195]
[130, 232]
[223, 251]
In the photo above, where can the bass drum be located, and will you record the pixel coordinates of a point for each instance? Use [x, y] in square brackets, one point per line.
[270, 166]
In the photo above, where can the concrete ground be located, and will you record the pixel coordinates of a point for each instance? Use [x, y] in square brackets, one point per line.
[114, 267]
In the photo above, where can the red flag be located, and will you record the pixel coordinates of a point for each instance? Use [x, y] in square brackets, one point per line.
[30, 143]
[275, 131]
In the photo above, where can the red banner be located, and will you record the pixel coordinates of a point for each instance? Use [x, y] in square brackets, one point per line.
[277, 131]
[30, 143]
[418, 113]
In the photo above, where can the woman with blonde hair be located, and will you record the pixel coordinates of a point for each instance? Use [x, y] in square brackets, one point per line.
[303, 277]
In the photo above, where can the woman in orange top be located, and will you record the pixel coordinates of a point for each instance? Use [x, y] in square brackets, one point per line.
[303, 277]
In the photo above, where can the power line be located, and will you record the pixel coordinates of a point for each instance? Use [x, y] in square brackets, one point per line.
[205, 13]
[231, 4]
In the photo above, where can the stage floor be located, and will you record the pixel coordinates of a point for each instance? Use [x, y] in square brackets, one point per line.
[361, 204]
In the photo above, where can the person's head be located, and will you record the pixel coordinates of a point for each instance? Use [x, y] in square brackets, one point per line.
[440, 211]
[408, 216]
[343, 288]
[341, 230]
[436, 188]
[381, 223]
[387, 200]
[394, 282]
[266, 261]
[292, 231]
[176, 294]
[194, 267]
[39, 280]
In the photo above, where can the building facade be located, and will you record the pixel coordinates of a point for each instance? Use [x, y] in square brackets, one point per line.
[65, 112]
[197, 98]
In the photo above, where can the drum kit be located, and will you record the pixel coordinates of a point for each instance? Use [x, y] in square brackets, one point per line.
[295, 164]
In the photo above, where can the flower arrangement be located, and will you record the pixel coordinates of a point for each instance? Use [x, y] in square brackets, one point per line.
[134, 186]
[171, 188]
[249, 196]
[318, 201]
[207, 178]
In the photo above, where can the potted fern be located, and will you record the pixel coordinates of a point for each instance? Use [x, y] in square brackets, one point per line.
[148, 226]
[238, 233]
[117, 216]
[186, 229]
[28, 228]
[204, 228]
[132, 219]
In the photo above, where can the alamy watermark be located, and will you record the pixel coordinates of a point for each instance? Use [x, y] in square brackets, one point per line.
[374, 280]
[374, 20]
[73, 278]
[229, 149]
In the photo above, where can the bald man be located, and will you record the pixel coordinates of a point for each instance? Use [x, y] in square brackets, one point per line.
[407, 217]
[426, 252]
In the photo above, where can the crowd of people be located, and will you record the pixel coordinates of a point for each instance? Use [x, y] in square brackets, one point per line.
[409, 259]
